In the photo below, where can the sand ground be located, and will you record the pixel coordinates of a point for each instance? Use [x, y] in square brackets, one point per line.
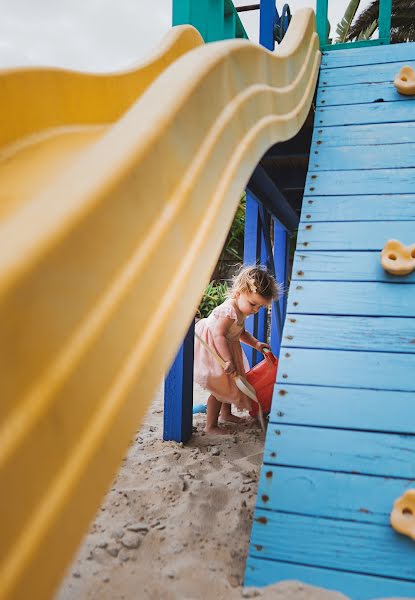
[175, 524]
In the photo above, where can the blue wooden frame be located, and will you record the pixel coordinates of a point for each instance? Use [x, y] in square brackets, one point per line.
[254, 240]
[385, 10]
[254, 253]
[346, 368]
[178, 389]
[178, 393]
[215, 20]
[263, 201]
[269, 17]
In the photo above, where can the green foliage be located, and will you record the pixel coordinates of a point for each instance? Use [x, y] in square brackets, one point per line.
[402, 22]
[215, 294]
[367, 33]
[343, 27]
[232, 253]
[366, 23]
[345, 30]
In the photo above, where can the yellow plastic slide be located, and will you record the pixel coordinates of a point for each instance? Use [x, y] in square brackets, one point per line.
[117, 192]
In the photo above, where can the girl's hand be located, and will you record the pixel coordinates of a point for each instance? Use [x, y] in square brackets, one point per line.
[229, 367]
[260, 346]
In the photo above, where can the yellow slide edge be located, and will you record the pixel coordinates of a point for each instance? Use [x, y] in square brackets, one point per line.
[105, 264]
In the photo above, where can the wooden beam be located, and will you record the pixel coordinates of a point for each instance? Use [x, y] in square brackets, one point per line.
[266, 193]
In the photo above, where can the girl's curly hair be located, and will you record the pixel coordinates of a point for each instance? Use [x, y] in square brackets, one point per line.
[256, 279]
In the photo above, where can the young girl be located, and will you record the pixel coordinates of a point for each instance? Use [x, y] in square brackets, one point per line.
[223, 331]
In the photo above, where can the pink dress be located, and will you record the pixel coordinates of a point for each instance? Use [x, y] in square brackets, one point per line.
[208, 373]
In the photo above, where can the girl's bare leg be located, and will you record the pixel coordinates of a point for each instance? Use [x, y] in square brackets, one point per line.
[226, 414]
[213, 410]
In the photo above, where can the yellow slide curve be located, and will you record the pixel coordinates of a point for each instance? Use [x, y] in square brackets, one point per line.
[117, 193]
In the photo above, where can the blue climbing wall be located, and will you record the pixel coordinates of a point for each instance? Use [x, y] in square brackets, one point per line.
[340, 445]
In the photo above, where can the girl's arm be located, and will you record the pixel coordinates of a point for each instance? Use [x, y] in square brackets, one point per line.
[249, 339]
[219, 332]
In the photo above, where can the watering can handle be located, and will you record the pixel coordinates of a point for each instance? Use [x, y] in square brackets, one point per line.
[268, 355]
[215, 355]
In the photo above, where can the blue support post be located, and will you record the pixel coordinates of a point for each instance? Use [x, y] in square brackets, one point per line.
[385, 16]
[322, 22]
[262, 186]
[215, 19]
[277, 320]
[254, 243]
[262, 315]
[252, 250]
[178, 393]
[268, 19]
[178, 385]
[281, 260]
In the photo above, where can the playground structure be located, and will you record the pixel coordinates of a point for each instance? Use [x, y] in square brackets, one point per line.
[339, 447]
[83, 247]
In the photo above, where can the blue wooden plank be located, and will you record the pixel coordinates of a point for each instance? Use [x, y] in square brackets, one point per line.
[332, 495]
[389, 207]
[361, 74]
[347, 158]
[343, 408]
[361, 236]
[360, 93]
[351, 298]
[357, 44]
[378, 133]
[346, 183]
[353, 57]
[371, 334]
[178, 393]
[355, 547]
[356, 452]
[260, 572]
[361, 114]
[342, 266]
[338, 368]
[353, 402]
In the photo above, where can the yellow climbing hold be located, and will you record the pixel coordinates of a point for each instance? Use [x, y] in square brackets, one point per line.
[403, 514]
[398, 259]
[405, 81]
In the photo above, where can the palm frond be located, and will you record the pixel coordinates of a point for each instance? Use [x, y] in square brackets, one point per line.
[367, 33]
[343, 27]
[402, 21]
[364, 20]
[402, 34]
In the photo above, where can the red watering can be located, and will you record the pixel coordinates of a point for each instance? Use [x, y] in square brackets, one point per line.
[262, 377]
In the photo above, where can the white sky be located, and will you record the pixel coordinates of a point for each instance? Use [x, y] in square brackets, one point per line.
[101, 35]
